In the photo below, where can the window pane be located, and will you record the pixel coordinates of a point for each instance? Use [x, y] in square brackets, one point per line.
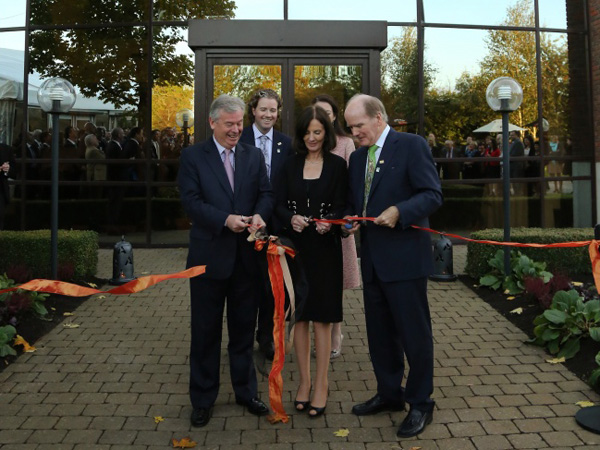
[197, 9]
[341, 82]
[477, 12]
[553, 13]
[54, 12]
[242, 80]
[12, 15]
[353, 10]
[259, 9]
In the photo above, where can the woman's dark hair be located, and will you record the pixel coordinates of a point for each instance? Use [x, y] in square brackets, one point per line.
[309, 114]
[337, 127]
[262, 93]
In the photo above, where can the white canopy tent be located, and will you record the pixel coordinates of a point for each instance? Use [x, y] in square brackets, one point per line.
[11, 92]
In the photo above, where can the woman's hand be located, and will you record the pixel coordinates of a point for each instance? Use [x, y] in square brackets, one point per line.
[299, 223]
[323, 228]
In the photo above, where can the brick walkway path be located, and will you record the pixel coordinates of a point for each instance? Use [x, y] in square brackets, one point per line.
[100, 386]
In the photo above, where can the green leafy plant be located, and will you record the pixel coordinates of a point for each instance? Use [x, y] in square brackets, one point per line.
[20, 301]
[595, 375]
[569, 319]
[522, 267]
[7, 333]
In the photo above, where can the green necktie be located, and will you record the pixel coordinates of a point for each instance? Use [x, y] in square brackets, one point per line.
[372, 162]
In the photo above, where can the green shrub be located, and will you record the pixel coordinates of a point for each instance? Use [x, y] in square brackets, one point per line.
[569, 261]
[7, 333]
[29, 251]
[521, 267]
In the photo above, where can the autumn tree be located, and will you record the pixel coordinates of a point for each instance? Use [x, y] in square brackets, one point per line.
[111, 63]
[166, 101]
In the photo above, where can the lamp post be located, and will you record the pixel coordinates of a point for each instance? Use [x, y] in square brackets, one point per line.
[183, 118]
[505, 95]
[55, 96]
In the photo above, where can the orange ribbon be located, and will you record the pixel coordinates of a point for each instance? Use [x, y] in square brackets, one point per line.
[276, 275]
[74, 290]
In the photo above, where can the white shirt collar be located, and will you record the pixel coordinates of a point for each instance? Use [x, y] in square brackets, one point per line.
[220, 147]
[258, 133]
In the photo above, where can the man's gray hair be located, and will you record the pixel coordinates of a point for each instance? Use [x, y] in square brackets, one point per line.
[88, 139]
[226, 103]
[372, 105]
[116, 132]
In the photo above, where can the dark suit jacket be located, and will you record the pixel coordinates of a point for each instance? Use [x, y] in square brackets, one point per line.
[405, 177]
[6, 155]
[517, 168]
[115, 172]
[282, 149]
[208, 199]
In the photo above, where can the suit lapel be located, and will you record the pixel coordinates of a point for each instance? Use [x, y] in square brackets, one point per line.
[241, 166]
[277, 156]
[213, 159]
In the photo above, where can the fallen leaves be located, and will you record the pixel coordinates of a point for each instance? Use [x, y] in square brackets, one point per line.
[517, 311]
[342, 432]
[100, 297]
[585, 404]
[512, 297]
[577, 283]
[556, 360]
[92, 285]
[183, 443]
[71, 325]
[68, 314]
[26, 347]
[158, 419]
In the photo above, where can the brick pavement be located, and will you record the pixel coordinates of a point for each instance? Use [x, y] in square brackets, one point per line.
[100, 386]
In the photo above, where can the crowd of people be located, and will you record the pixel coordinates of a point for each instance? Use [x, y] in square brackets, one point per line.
[243, 179]
[491, 147]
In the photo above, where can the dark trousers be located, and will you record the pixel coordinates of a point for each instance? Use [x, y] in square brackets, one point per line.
[208, 302]
[398, 324]
[264, 331]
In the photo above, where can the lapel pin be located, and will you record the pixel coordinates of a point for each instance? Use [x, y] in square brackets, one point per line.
[279, 143]
[278, 150]
[381, 162]
[377, 170]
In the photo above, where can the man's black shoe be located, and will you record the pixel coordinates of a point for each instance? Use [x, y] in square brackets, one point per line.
[414, 423]
[201, 416]
[375, 405]
[267, 349]
[254, 406]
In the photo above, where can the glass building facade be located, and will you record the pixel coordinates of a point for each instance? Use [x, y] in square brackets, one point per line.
[133, 68]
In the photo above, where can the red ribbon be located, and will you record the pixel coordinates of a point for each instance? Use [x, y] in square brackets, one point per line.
[274, 252]
[74, 290]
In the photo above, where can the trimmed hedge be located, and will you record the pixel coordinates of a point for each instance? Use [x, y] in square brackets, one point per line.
[569, 261]
[26, 254]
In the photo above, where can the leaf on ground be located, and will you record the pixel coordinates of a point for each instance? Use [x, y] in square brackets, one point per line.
[26, 347]
[71, 325]
[53, 308]
[512, 297]
[183, 443]
[68, 314]
[517, 311]
[506, 291]
[145, 273]
[158, 419]
[577, 283]
[92, 285]
[415, 448]
[585, 403]
[342, 432]
[100, 297]
[556, 360]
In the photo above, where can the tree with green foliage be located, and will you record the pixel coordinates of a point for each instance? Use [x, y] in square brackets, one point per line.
[111, 63]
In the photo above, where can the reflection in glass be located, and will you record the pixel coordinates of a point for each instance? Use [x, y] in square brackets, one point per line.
[197, 9]
[13, 14]
[55, 12]
[476, 12]
[389, 10]
[12, 68]
[341, 82]
[241, 81]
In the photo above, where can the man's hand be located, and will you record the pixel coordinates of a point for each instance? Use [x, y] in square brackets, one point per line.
[256, 223]
[355, 225]
[237, 223]
[323, 228]
[388, 218]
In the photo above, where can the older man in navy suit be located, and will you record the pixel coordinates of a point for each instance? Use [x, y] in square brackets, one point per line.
[393, 178]
[263, 111]
[225, 191]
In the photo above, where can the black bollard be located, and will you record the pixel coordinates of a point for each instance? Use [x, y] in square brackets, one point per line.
[122, 263]
[443, 265]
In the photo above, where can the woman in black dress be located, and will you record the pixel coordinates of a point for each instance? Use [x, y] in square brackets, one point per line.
[314, 185]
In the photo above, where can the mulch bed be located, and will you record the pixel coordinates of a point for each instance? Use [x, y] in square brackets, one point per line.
[32, 328]
[582, 364]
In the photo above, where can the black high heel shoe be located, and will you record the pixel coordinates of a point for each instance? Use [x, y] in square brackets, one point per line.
[317, 411]
[304, 404]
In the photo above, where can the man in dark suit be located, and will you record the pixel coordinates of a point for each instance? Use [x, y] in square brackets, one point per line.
[393, 178]
[224, 188]
[263, 111]
[115, 172]
[451, 170]
[7, 169]
[517, 168]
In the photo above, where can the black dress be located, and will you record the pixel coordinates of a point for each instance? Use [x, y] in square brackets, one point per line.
[320, 254]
